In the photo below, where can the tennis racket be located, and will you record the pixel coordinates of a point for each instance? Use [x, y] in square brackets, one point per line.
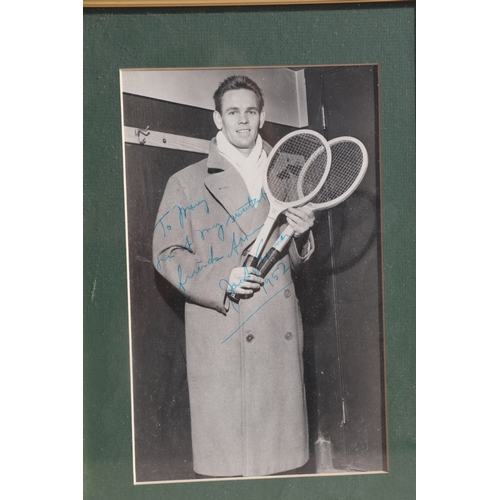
[348, 167]
[296, 168]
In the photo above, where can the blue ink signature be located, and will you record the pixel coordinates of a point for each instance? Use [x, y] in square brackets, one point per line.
[282, 237]
[164, 227]
[274, 276]
[257, 310]
[183, 211]
[163, 259]
[187, 246]
[251, 203]
[218, 226]
[231, 287]
[235, 245]
[200, 267]
[284, 269]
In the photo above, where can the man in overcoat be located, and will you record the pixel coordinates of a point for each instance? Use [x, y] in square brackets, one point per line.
[244, 358]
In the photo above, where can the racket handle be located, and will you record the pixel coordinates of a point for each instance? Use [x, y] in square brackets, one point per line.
[250, 261]
[285, 237]
[274, 254]
[261, 239]
[268, 261]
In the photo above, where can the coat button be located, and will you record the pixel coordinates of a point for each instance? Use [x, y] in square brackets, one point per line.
[287, 293]
[250, 337]
[289, 335]
[244, 254]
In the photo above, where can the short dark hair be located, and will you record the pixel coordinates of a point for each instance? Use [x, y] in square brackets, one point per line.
[237, 82]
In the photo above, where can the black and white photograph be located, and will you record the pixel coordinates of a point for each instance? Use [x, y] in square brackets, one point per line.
[255, 272]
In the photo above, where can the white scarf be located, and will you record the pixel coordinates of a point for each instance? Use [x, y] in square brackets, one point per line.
[251, 168]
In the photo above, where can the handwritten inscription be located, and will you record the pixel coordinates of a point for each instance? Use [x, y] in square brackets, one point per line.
[221, 242]
[235, 245]
[183, 278]
[176, 218]
[217, 226]
[160, 223]
[183, 211]
[188, 246]
[181, 214]
[274, 276]
[276, 283]
[250, 203]
[226, 286]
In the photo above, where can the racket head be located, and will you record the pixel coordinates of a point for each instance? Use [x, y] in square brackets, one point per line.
[349, 162]
[302, 157]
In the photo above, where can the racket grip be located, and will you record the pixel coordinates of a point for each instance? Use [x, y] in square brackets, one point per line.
[268, 261]
[274, 254]
[250, 261]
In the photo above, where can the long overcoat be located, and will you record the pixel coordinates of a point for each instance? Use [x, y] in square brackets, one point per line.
[244, 360]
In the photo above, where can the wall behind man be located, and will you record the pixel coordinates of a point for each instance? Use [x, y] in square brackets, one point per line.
[284, 89]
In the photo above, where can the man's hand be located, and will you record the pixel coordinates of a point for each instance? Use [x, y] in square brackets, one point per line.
[301, 220]
[244, 281]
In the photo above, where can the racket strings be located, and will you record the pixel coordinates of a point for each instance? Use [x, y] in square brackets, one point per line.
[347, 162]
[300, 160]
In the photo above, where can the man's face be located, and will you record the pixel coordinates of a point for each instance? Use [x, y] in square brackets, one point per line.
[240, 120]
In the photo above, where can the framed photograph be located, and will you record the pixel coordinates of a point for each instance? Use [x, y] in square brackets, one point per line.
[204, 377]
[289, 379]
